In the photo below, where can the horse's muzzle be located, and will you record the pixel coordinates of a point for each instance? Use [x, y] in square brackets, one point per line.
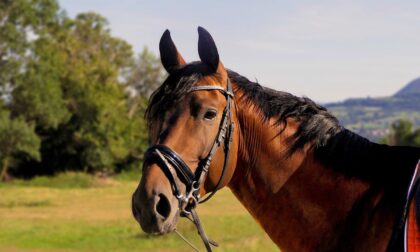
[154, 211]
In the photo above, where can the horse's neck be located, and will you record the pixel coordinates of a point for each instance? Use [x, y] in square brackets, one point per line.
[302, 205]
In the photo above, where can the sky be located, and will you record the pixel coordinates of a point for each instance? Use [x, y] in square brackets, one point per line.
[325, 50]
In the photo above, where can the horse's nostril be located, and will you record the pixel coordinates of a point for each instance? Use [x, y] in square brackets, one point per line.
[163, 206]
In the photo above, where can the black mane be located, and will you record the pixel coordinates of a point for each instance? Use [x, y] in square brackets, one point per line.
[356, 156]
[316, 124]
[333, 145]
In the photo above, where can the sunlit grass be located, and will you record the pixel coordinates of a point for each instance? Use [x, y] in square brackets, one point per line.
[98, 218]
[62, 180]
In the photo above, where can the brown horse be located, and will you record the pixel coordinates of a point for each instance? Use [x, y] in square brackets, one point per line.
[310, 183]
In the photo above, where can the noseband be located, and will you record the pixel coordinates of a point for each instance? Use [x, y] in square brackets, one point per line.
[175, 167]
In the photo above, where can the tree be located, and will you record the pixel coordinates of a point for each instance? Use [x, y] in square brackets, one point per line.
[66, 82]
[90, 64]
[38, 95]
[19, 21]
[145, 78]
[402, 133]
[16, 137]
[416, 138]
[147, 75]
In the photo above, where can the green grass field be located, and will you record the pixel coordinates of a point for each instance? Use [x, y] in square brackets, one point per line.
[48, 214]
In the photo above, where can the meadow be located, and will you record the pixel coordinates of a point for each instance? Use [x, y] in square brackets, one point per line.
[77, 212]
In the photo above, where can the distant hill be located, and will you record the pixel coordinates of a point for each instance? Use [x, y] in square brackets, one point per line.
[372, 117]
[410, 89]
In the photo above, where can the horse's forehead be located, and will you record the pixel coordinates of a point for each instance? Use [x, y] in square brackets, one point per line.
[210, 80]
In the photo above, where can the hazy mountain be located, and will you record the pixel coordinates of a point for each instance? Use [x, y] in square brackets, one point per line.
[411, 88]
[372, 117]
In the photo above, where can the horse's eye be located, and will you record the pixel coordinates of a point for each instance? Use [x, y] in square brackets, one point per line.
[210, 115]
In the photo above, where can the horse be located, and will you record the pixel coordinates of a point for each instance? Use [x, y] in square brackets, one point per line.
[311, 184]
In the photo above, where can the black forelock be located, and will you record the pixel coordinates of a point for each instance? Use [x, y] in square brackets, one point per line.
[173, 89]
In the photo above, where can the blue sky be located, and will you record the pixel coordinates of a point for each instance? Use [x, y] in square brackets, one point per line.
[326, 50]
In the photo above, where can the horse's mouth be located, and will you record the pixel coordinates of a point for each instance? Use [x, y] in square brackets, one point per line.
[159, 230]
[166, 229]
[153, 227]
[169, 227]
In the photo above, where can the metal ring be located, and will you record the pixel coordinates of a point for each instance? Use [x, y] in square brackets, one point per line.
[193, 188]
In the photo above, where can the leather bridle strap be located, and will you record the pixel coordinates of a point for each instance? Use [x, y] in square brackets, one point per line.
[225, 135]
[174, 159]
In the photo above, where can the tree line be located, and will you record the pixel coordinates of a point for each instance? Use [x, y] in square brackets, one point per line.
[72, 95]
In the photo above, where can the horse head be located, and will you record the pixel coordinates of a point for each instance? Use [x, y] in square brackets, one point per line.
[191, 119]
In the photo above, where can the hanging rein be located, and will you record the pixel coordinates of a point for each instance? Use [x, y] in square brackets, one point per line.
[176, 169]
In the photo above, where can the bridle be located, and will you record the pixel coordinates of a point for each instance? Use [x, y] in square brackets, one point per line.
[174, 166]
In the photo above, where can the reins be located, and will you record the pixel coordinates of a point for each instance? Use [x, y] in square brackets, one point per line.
[175, 168]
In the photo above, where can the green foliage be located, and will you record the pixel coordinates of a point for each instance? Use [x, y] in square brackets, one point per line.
[99, 134]
[402, 133]
[20, 20]
[147, 75]
[39, 95]
[103, 134]
[16, 137]
[67, 80]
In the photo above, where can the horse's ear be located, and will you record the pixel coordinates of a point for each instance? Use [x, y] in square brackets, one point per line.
[207, 49]
[169, 55]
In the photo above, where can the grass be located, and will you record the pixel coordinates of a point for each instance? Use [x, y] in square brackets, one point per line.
[63, 180]
[42, 215]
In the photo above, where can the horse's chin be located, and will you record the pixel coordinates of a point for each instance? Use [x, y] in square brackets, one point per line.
[167, 228]
[160, 229]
